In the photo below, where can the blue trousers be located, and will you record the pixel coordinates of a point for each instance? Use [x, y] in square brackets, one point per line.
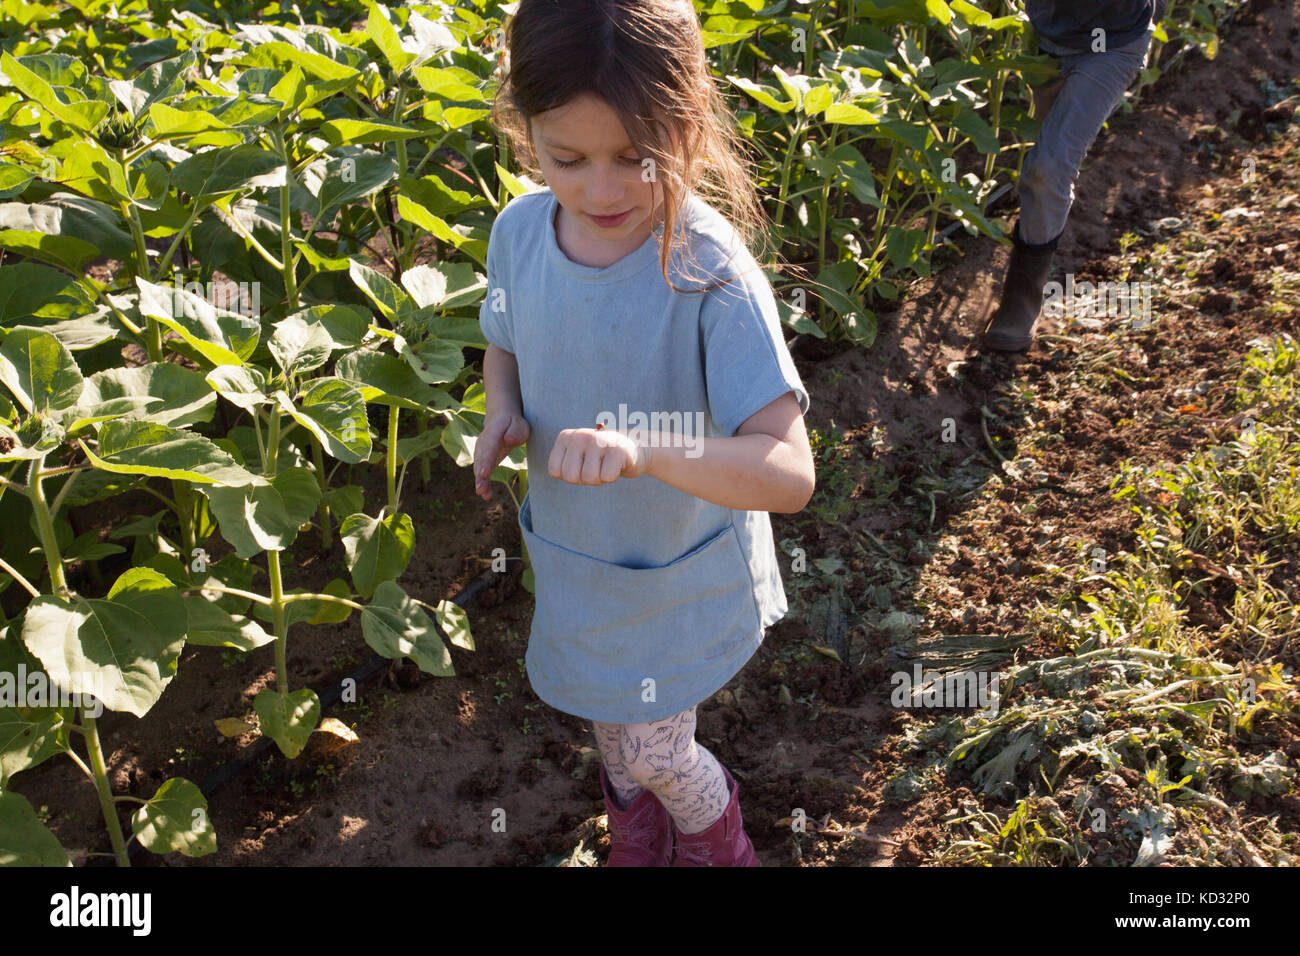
[1077, 104]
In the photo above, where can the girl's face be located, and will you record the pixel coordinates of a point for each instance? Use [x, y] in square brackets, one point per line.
[590, 165]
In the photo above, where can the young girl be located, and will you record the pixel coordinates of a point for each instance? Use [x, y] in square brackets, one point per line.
[660, 406]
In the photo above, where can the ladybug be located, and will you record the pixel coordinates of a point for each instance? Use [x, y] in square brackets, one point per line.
[599, 426]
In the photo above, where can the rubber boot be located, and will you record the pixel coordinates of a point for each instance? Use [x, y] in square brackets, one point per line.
[1015, 321]
[725, 843]
[641, 835]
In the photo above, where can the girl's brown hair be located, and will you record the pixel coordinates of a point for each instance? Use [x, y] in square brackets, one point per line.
[645, 58]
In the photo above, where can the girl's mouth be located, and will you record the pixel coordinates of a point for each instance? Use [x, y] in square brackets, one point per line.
[606, 222]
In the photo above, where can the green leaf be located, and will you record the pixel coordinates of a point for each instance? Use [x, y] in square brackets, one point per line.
[161, 392]
[423, 217]
[28, 735]
[134, 447]
[454, 621]
[449, 329]
[333, 410]
[14, 180]
[346, 132]
[65, 230]
[795, 85]
[299, 346]
[939, 10]
[242, 385]
[39, 371]
[853, 166]
[164, 79]
[905, 246]
[384, 34]
[221, 172]
[513, 184]
[175, 819]
[387, 296]
[346, 325]
[121, 648]
[850, 114]
[289, 720]
[347, 179]
[81, 114]
[346, 499]
[395, 626]
[980, 132]
[444, 285]
[220, 336]
[265, 517]
[388, 380]
[834, 285]
[377, 550]
[24, 840]
[818, 98]
[26, 287]
[971, 14]
[213, 626]
[435, 362]
[764, 94]
[332, 612]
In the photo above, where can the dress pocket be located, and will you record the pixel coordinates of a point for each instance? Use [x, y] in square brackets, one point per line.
[604, 622]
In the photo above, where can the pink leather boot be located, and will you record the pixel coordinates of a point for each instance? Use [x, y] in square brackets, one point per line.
[641, 835]
[725, 843]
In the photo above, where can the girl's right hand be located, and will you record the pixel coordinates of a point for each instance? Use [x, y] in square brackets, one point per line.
[499, 436]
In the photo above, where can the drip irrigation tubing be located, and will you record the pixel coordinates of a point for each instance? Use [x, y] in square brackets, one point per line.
[329, 696]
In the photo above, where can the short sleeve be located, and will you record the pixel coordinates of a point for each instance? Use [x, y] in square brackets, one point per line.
[746, 363]
[494, 314]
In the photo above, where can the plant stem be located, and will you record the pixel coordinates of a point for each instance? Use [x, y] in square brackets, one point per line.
[318, 459]
[14, 573]
[45, 526]
[426, 471]
[785, 171]
[277, 582]
[105, 792]
[287, 261]
[998, 86]
[390, 463]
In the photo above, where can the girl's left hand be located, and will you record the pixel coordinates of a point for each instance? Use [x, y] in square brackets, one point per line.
[588, 456]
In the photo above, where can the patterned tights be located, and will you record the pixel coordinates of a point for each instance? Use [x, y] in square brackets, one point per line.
[663, 757]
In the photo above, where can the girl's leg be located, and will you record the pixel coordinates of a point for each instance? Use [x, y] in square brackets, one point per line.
[663, 757]
[625, 788]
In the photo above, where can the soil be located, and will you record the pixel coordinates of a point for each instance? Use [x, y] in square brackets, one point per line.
[802, 727]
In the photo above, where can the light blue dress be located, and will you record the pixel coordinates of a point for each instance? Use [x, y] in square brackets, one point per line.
[648, 599]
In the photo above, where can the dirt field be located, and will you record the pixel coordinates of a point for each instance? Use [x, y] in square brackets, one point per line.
[927, 548]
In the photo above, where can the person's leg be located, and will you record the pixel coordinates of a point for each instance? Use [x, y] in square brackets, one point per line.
[625, 788]
[1076, 107]
[664, 757]
[1092, 83]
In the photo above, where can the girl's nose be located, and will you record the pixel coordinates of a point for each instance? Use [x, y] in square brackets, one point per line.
[606, 186]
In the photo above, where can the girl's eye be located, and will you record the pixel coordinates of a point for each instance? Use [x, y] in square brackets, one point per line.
[574, 162]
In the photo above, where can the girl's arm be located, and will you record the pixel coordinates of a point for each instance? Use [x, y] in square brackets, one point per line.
[504, 425]
[501, 384]
[766, 466]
